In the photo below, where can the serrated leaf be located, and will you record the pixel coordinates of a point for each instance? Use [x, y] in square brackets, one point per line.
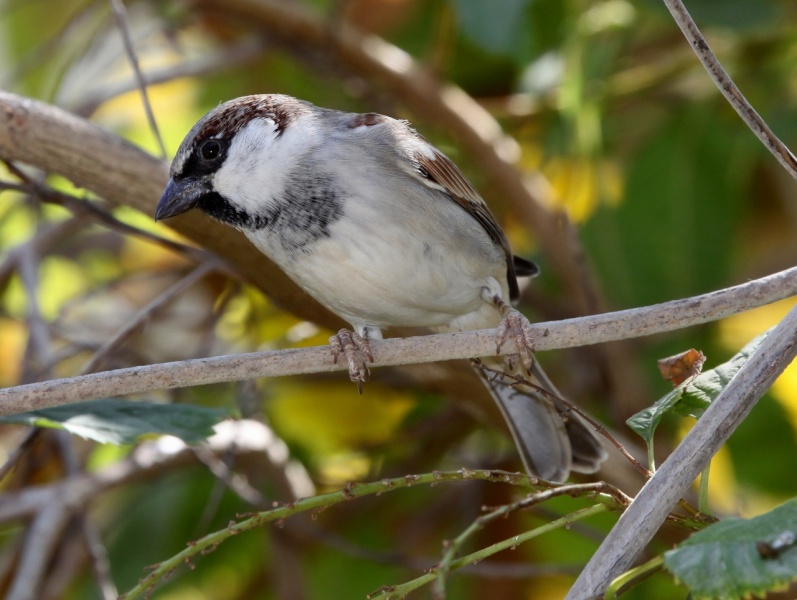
[723, 560]
[119, 421]
[692, 397]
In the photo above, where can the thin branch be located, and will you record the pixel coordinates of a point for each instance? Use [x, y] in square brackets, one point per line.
[94, 210]
[233, 56]
[120, 14]
[396, 592]
[232, 480]
[729, 89]
[41, 537]
[569, 333]
[321, 502]
[604, 493]
[138, 320]
[650, 508]
[244, 438]
[96, 551]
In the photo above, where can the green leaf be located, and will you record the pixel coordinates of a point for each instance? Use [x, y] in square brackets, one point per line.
[644, 422]
[691, 398]
[723, 560]
[707, 386]
[119, 421]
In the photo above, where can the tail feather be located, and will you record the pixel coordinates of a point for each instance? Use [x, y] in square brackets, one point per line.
[550, 445]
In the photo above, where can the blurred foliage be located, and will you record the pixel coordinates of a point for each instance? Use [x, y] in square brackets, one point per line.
[672, 194]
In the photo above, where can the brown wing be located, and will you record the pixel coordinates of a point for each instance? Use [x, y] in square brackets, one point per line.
[441, 171]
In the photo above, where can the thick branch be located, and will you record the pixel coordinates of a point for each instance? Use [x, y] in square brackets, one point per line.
[56, 141]
[400, 351]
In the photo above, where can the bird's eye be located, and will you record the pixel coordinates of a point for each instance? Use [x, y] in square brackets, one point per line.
[210, 149]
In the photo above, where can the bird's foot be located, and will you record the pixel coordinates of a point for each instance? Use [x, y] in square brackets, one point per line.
[514, 325]
[357, 352]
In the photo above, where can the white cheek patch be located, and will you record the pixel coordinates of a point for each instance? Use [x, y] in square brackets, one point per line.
[260, 160]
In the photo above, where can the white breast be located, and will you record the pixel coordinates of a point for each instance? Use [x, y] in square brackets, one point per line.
[400, 254]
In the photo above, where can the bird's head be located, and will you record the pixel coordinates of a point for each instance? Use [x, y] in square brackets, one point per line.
[237, 157]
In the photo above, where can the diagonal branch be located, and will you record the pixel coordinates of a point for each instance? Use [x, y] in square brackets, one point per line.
[650, 508]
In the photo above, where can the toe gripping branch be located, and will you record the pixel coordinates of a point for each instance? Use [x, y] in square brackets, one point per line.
[516, 326]
[357, 352]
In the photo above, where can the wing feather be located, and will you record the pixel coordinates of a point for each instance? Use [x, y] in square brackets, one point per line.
[437, 169]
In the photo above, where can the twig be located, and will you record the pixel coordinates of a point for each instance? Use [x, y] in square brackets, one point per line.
[649, 509]
[120, 14]
[41, 538]
[625, 324]
[729, 89]
[140, 318]
[232, 480]
[233, 56]
[95, 211]
[244, 437]
[395, 592]
[613, 498]
[37, 352]
[46, 236]
[320, 502]
[96, 551]
[14, 456]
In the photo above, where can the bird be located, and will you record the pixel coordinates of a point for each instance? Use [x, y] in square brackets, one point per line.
[384, 230]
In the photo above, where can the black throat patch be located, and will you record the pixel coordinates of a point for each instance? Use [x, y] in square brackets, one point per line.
[300, 217]
[221, 209]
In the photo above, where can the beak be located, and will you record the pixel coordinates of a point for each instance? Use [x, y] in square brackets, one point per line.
[179, 197]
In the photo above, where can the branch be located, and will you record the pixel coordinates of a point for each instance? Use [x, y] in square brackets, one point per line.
[729, 89]
[120, 14]
[397, 592]
[320, 502]
[602, 492]
[651, 506]
[569, 333]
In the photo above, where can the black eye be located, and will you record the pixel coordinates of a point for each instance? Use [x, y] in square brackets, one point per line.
[211, 149]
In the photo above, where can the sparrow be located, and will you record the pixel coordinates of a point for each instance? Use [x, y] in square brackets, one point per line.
[382, 228]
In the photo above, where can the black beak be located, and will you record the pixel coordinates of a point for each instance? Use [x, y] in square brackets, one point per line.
[180, 196]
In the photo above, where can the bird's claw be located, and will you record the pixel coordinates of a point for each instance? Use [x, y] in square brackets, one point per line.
[516, 326]
[357, 352]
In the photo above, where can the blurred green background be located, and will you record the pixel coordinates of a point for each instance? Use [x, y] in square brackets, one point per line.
[614, 118]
